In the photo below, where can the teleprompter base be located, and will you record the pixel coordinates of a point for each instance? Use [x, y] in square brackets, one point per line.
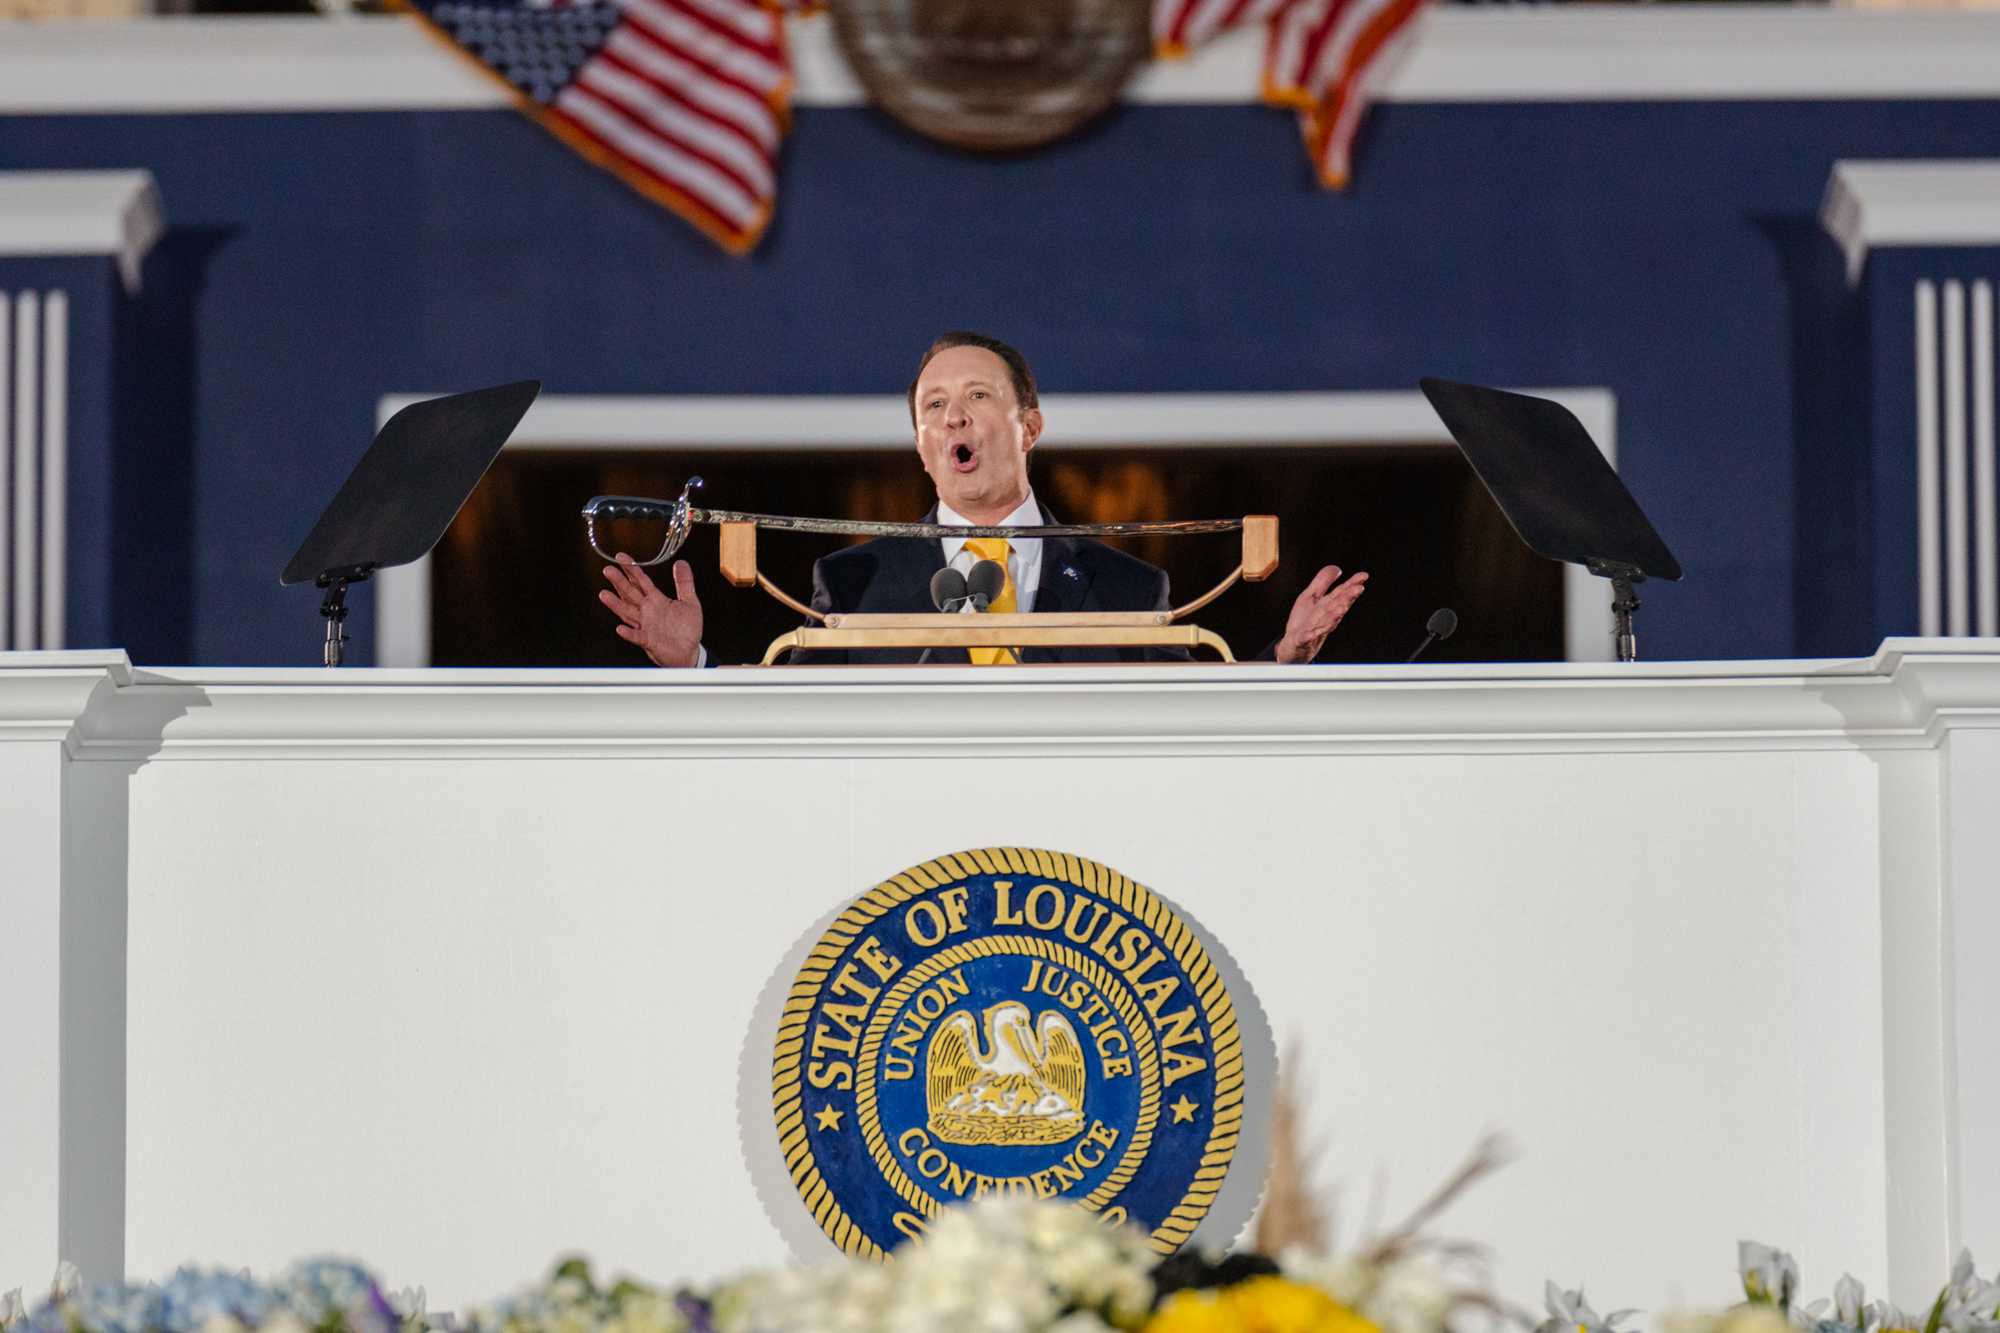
[1098, 629]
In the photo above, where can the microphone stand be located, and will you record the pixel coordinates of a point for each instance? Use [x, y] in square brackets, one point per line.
[976, 601]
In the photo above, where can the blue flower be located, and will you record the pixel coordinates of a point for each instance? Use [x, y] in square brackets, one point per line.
[190, 1298]
[329, 1291]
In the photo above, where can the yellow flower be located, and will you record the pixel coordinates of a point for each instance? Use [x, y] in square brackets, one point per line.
[1193, 1312]
[1754, 1319]
[1261, 1305]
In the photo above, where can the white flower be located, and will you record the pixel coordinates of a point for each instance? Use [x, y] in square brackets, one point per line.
[1769, 1276]
[1970, 1301]
[648, 1312]
[12, 1310]
[1005, 1265]
[1569, 1312]
[68, 1281]
[1850, 1301]
[1893, 1319]
[1348, 1279]
[408, 1303]
[1411, 1297]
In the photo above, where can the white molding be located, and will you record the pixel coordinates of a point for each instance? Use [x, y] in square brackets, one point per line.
[698, 424]
[1906, 696]
[45, 693]
[1869, 205]
[115, 213]
[285, 63]
[233, 63]
[707, 423]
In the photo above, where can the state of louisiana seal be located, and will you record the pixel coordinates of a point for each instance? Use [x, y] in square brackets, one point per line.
[1007, 1021]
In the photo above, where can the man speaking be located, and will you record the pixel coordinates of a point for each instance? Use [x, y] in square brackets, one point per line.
[977, 417]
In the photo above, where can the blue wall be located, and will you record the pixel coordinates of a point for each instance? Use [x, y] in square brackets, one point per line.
[1670, 252]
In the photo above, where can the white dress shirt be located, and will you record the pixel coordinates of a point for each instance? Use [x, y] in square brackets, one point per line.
[1024, 556]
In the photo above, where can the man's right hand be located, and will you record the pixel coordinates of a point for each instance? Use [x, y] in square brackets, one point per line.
[668, 628]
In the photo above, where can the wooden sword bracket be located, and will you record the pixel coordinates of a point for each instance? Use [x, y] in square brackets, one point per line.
[1040, 629]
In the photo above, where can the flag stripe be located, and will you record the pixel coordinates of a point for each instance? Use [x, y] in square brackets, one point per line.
[1179, 26]
[637, 25]
[683, 100]
[731, 105]
[1350, 97]
[738, 142]
[754, 26]
[713, 190]
[1187, 24]
[1318, 55]
[736, 240]
[1288, 33]
[749, 54]
[720, 56]
[1312, 50]
[1334, 63]
[691, 133]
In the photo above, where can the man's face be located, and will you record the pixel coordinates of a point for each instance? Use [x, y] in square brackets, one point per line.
[972, 434]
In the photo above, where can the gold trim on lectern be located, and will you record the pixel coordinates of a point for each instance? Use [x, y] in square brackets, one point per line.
[1085, 629]
[1072, 629]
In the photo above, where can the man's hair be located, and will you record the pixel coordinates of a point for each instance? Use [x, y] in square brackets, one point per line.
[1017, 365]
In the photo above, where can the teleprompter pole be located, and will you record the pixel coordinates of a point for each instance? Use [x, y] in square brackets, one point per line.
[333, 608]
[1624, 601]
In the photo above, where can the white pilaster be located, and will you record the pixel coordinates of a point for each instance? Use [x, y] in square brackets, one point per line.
[54, 1163]
[1970, 777]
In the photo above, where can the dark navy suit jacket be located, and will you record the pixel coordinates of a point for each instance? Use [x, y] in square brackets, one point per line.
[893, 574]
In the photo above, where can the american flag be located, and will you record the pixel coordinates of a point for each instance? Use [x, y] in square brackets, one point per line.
[1317, 55]
[683, 100]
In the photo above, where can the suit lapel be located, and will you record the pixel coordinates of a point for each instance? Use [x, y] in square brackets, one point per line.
[1065, 580]
[1064, 584]
[927, 558]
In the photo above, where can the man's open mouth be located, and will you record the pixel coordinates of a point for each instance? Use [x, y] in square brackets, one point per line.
[962, 457]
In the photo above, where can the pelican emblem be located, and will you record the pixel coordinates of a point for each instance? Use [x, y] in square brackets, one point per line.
[1023, 1086]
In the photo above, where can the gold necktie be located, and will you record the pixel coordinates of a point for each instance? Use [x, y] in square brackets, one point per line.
[994, 549]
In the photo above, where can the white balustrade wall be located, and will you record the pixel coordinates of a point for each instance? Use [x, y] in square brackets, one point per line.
[452, 970]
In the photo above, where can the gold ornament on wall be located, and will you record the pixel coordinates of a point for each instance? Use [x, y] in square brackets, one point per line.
[993, 75]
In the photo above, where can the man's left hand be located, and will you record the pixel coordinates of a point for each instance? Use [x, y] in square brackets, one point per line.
[1323, 605]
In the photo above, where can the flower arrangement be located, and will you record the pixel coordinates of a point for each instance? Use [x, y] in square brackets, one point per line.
[1967, 1303]
[1000, 1266]
[319, 1297]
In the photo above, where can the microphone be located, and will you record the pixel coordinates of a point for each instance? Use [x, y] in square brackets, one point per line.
[1442, 625]
[947, 594]
[986, 581]
[947, 589]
